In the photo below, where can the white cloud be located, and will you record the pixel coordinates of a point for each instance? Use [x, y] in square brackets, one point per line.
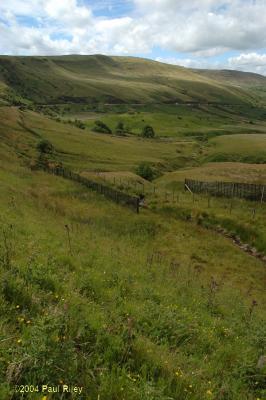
[193, 26]
[249, 62]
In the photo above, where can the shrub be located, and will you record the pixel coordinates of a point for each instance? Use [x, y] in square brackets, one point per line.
[79, 124]
[44, 146]
[101, 127]
[148, 132]
[145, 171]
[120, 128]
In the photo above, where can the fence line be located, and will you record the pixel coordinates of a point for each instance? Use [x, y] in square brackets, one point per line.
[117, 196]
[228, 189]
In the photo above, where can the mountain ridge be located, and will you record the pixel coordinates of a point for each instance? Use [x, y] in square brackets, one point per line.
[114, 79]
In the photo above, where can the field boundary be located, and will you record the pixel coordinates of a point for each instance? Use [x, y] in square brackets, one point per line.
[247, 191]
[110, 193]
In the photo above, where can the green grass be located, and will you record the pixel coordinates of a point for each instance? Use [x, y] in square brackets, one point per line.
[155, 306]
[173, 120]
[102, 79]
[217, 171]
[152, 325]
[238, 148]
[84, 150]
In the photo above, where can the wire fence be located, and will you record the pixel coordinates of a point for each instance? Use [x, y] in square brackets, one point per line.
[110, 193]
[228, 189]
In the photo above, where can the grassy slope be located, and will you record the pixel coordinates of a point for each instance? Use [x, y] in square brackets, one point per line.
[146, 307]
[120, 308]
[243, 147]
[111, 79]
[181, 120]
[84, 150]
[226, 172]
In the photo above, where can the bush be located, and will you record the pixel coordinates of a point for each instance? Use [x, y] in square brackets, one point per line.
[79, 124]
[120, 128]
[148, 132]
[101, 127]
[145, 171]
[44, 146]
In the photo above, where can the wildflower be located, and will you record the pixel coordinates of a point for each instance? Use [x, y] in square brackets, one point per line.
[44, 398]
[17, 306]
[190, 386]
[28, 322]
[19, 341]
[209, 392]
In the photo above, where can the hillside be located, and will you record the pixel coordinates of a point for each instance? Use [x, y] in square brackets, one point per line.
[238, 78]
[90, 79]
[166, 304]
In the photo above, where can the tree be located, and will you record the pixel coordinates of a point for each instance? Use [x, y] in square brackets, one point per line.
[44, 146]
[145, 171]
[101, 127]
[120, 128]
[148, 132]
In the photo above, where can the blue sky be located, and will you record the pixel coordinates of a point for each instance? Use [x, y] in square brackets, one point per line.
[192, 33]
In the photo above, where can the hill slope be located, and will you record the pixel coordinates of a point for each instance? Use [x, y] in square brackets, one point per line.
[89, 79]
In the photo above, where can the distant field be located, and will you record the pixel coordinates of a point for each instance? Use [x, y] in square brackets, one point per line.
[177, 120]
[227, 172]
[84, 150]
[239, 148]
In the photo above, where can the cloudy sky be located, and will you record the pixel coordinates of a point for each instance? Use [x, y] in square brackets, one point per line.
[194, 33]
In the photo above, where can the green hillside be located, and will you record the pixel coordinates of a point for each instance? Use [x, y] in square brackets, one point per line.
[89, 79]
[167, 304]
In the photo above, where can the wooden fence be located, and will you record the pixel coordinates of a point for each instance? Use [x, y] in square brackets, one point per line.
[228, 189]
[117, 196]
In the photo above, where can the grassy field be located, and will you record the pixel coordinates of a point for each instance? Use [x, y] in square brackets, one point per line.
[85, 150]
[163, 323]
[174, 120]
[224, 172]
[239, 148]
[161, 305]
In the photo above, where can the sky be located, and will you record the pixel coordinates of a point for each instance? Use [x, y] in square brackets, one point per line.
[218, 34]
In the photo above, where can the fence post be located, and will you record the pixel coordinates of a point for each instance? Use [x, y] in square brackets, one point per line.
[262, 194]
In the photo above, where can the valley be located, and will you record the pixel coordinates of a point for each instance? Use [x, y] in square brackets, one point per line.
[158, 305]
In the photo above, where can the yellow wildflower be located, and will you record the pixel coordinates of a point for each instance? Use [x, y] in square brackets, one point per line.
[19, 341]
[209, 392]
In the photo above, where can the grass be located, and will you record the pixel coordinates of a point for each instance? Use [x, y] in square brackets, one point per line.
[155, 306]
[85, 150]
[173, 120]
[150, 326]
[217, 171]
[82, 79]
[238, 148]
